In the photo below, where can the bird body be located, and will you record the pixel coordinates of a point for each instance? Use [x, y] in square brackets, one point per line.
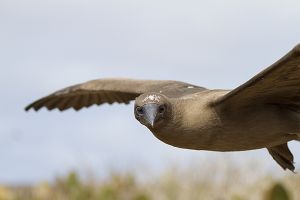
[198, 124]
[195, 117]
[264, 112]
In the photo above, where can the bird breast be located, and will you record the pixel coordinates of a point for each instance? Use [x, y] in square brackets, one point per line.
[192, 126]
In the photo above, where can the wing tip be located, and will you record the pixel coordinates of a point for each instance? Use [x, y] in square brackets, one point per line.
[29, 107]
[32, 107]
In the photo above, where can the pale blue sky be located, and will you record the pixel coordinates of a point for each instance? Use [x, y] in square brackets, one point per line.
[47, 45]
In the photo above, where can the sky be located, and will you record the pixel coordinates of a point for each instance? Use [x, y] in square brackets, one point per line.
[48, 45]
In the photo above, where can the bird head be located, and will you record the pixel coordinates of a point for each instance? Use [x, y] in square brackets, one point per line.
[152, 109]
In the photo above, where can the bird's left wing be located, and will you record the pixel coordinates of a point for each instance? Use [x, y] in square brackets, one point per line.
[107, 91]
[278, 84]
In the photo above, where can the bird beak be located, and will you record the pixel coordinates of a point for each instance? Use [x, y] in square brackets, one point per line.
[151, 111]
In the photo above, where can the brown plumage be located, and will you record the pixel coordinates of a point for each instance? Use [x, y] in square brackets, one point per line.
[262, 113]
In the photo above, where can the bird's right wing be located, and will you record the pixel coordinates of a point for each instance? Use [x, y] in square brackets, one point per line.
[107, 91]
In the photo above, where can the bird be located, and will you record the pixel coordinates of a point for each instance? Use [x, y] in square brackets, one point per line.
[264, 112]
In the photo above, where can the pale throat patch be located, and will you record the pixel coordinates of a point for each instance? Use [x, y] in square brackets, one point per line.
[152, 97]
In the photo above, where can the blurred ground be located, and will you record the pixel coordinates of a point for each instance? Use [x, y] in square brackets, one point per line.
[216, 182]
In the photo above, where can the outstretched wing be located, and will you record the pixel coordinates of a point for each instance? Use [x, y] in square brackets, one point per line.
[278, 84]
[108, 91]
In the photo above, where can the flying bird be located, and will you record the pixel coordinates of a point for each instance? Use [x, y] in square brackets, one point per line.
[264, 112]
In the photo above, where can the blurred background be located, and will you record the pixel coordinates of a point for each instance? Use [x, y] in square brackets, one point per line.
[103, 152]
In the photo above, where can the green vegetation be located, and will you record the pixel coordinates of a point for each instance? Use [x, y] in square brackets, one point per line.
[185, 184]
[278, 192]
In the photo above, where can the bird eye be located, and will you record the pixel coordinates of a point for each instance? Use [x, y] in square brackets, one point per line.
[139, 110]
[162, 109]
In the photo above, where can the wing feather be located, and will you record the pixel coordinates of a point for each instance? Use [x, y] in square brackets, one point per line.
[108, 91]
[64, 102]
